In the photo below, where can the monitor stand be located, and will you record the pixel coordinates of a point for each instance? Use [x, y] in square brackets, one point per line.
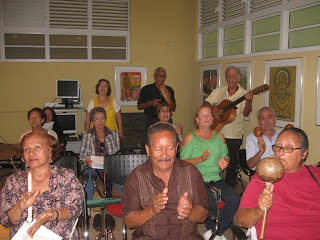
[68, 102]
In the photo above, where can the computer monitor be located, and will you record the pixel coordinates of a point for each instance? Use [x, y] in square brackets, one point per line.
[68, 122]
[74, 100]
[67, 90]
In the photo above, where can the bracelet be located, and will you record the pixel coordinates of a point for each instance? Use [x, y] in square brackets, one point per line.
[253, 215]
[58, 215]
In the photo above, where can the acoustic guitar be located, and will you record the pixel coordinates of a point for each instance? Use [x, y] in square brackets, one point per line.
[227, 109]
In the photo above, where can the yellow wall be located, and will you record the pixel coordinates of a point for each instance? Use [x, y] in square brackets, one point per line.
[153, 24]
[309, 76]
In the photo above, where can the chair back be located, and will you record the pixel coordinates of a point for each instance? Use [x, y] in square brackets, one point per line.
[68, 162]
[118, 167]
[242, 158]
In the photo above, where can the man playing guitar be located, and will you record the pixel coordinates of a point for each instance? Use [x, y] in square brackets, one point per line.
[233, 132]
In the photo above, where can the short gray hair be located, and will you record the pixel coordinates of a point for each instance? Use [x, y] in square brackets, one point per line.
[263, 109]
[160, 127]
[230, 68]
[97, 110]
[159, 69]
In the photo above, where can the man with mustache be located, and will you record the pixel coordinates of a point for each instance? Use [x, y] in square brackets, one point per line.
[165, 197]
[261, 147]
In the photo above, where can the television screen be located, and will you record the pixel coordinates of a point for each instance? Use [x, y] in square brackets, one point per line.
[68, 122]
[67, 89]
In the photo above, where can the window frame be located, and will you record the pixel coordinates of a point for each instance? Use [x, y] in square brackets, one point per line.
[283, 9]
[47, 31]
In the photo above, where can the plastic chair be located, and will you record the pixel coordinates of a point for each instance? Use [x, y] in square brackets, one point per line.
[117, 168]
[68, 161]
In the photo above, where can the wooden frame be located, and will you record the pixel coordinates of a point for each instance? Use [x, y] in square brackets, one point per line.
[245, 82]
[209, 80]
[284, 78]
[129, 81]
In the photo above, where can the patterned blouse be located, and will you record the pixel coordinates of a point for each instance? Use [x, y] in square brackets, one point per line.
[65, 191]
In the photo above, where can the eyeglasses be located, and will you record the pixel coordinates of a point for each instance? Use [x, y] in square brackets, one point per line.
[99, 120]
[164, 111]
[162, 76]
[277, 148]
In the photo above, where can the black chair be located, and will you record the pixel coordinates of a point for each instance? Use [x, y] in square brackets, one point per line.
[68, 161]
[242, 166]
[117, 168]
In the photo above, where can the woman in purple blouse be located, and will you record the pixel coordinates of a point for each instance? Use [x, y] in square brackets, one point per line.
[56, 196]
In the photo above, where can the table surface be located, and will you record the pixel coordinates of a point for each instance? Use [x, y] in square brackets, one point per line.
[9, 150]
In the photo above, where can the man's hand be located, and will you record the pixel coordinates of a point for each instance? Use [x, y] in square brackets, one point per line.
[155, 102]
[223, 163]
[160, 201]
[249, 96]
[216, 112]
[48, 215]
[261, 144]
[184, 207]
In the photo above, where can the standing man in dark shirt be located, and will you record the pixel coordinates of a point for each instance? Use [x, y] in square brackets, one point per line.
[151, 97]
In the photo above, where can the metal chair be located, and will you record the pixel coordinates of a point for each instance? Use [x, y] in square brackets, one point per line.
[117, 168]
[242, 166]
[236, 231]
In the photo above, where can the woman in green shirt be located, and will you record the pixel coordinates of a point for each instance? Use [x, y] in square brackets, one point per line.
[207, 149]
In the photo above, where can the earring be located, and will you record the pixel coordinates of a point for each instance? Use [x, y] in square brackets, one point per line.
[50, 160]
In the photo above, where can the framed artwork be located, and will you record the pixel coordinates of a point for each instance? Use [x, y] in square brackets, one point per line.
[245, 82]
[209, 80]
[284, 78]
[129, 81]
[318, 95]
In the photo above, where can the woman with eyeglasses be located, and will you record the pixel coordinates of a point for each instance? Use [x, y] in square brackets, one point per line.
[293, 202]
[164, 114]
[98, 141]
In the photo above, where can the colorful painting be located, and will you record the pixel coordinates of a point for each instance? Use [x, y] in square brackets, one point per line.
[130, 86]
[284, 78]
[129, 81]
[209, 80]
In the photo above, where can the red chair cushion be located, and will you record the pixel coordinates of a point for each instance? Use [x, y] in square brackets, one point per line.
[115, 209]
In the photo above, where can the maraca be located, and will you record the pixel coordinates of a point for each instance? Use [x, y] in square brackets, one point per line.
[289, 126]
[163, 91]
[257, 131]
[269, 170]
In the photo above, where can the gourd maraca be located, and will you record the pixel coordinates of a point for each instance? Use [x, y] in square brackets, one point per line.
[289, 126]
[269, 170]
[257, 131]
[163, 91]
